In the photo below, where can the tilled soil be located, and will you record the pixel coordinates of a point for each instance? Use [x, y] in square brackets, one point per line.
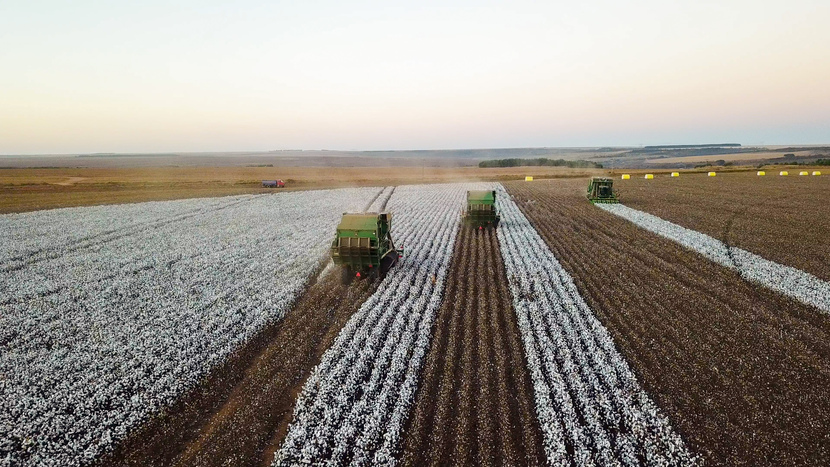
[742, 372]
[240, 414]
[783, 219]
[475, 400]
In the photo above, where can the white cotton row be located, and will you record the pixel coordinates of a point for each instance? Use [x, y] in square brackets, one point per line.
[27, 238]
[353, 407]
[100, 331]
[787, 280]
[375, 205]
[591, 408]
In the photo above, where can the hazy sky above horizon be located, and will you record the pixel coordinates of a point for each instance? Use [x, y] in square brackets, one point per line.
[98, 76]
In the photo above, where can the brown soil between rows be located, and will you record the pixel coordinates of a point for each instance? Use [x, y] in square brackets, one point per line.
[742, 372]
[475, 401]
[240, 414]
[784, 219]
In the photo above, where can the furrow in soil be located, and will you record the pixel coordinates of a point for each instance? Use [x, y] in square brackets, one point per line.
[741, 371]
[475, 402]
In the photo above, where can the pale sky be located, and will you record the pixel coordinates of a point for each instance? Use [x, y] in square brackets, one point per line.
[107, 76]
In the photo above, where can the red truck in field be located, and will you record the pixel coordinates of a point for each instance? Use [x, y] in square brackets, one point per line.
[273, 184]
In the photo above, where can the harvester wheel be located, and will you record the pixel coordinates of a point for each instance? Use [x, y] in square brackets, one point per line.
[386, 264]
[346, 276]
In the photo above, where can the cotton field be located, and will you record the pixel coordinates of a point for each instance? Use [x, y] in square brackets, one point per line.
[353, 406]
[787, 280]
[104, 328]
[218, 332]
[586, 396]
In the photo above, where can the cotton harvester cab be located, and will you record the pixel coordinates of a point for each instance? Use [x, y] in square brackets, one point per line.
[363, 246]
[481, 208]
[601, 190]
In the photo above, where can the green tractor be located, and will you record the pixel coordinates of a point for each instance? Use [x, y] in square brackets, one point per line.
[481, 208]
[601, 190]
[363, 246]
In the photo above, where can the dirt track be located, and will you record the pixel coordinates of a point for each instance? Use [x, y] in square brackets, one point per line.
[475, 401]
[239, 415]
[742, 372]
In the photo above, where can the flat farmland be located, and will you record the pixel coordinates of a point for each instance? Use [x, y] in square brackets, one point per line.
[215, 331]
[743, 372]
[31, 189]
[783, 219]
[734, 157]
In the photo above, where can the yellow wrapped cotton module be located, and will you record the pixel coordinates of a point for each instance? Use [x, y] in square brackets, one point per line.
[675, 174]
[783, 173]
[649, 176]
[761, 173]
[816, 173]
[712, 174]
[803, 172]
[528, 179]
[626, 176]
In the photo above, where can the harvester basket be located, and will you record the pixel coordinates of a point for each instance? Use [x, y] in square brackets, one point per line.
[481, 208]
[363, 244]
[357, 251]
[600, 190]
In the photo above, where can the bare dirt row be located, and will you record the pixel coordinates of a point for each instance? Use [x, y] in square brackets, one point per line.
[475, 400]
[240, 413]
[742, 372]
[783, 219]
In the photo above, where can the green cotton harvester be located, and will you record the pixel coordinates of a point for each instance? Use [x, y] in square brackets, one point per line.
[601, 190]
[481, 208]
[363, 246]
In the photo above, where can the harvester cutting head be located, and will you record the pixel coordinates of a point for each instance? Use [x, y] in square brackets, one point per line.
[481, 208]
[363, 246]
[601, 190]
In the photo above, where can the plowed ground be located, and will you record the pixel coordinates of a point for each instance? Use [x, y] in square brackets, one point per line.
[742, 372]
[783, 219]
[240, 414]
[475, 401]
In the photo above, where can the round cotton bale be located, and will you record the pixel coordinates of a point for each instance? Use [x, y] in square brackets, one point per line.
[783, 173]
[649, 176]
[528, 179]
[803, 172]
[761, 173]
[816, 173]
[712, 174]
[675, 174]
[626, 176]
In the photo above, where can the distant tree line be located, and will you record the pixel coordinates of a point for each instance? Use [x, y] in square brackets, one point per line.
[541, 161]
[783, 161]
[719, 162]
